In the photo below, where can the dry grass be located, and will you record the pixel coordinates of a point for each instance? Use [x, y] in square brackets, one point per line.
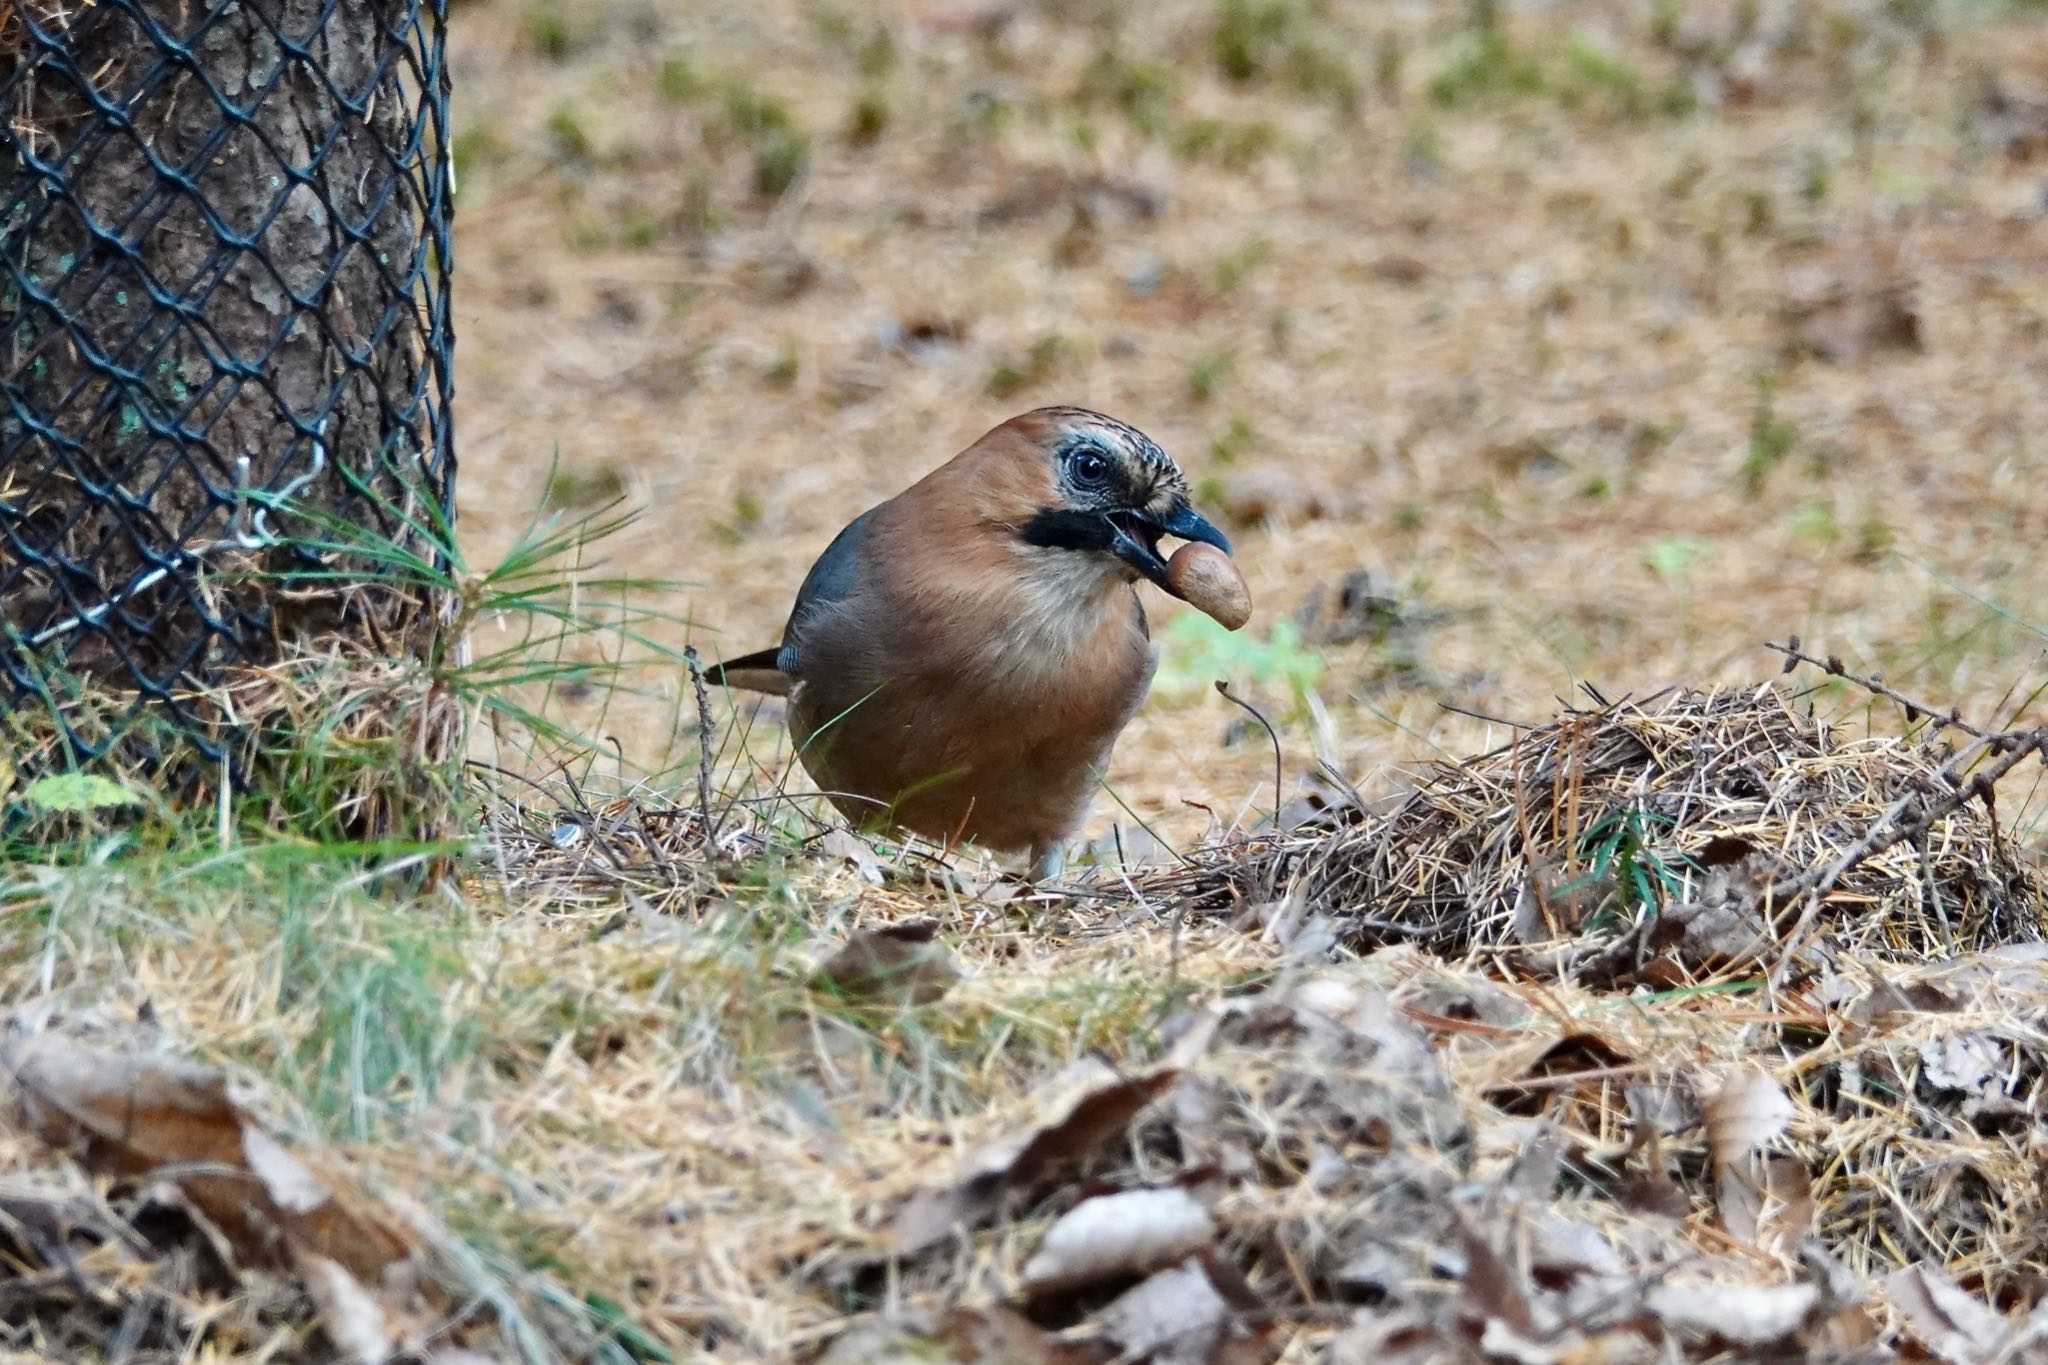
[1600, 347]
[1686, 806]
[336, 743]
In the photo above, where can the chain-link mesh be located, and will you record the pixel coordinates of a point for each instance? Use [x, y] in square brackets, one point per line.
[225, 232]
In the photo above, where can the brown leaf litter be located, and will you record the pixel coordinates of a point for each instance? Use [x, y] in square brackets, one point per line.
[194, 1194]
[1401, 1158]
[1323, 1159]
[892, 961]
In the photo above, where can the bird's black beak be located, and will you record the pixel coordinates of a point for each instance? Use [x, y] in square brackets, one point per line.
[1135, 536]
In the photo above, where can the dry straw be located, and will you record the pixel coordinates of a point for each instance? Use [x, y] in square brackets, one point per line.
[1690, 827]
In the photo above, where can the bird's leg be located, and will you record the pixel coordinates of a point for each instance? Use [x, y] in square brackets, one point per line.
[1048, 861]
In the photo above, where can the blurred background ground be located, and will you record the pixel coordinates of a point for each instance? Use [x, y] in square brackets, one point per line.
[1576, 341]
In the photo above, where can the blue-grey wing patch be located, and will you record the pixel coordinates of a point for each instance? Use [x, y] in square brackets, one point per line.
[832, 579]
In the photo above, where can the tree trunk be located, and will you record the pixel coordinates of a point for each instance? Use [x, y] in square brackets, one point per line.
[223, 224]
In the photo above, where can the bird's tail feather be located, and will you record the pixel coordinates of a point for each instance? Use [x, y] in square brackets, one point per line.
[754, 672]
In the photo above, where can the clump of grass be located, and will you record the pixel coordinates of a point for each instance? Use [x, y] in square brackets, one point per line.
[1038, 363]
[571, 133]
[1235, 440]
[739, 115]
[597, 483]
[1234, 265]
[1771, 438]
[1671, 558]
[869, 117]
[699, 211]
[679, 81]
[745, 517]
[1874, 538]
[781, 156]
[1247, 35]
[981, 115]
[478, 144]
[1814, 520]
[1488, 67]
[1573, 73]
[1144, 92]
[1208, 372]
[1319, 74]
[751, 113]
[550, 33]
[877, 54]
[1629, 849]
[1194, 651]
[1235, 144]
[1819, 180]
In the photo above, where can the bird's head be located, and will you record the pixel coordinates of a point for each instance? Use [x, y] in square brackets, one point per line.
[1097, 487]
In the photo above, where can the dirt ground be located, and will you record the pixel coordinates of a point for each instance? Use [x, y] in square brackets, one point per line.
[1597, 347]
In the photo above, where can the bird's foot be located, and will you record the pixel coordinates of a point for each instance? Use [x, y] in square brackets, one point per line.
[1048, 863]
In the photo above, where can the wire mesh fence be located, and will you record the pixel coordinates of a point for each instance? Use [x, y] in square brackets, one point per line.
[225, 227]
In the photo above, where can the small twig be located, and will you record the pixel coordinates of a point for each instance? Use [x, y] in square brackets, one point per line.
[1908, 818]
[1272, 734]
[594, 822]
[1915, 710]
[653, 845]
[1930, 891]
[703, 745]
[1458, 710]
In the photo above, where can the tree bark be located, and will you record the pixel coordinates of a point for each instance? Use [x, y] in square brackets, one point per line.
[223, 231]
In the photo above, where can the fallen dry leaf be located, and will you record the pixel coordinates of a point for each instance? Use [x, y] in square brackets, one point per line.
[1124, 1233]
[351, 1314]
[1177, 1317]
[1089, 1104]
[848, 847]
[1951, 1322]
[1490, 1289]
[960, 1334]
[1749, 1110]
[1967, 1062]
[1377, 1336]
[903, 962]
[1766, 1200]
[160, 1118]
[1737, 1313]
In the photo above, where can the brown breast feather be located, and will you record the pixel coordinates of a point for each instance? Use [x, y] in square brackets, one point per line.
[1000, 674]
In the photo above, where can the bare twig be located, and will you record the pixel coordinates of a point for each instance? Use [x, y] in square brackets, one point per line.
[1458, 710]
[1908, 818]
[1224, 687]
[1915, 710]
[703, 745]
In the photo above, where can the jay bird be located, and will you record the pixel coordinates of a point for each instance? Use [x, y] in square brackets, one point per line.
[961, 659]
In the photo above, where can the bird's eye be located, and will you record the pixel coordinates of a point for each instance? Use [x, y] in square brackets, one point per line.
[1090, 469]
